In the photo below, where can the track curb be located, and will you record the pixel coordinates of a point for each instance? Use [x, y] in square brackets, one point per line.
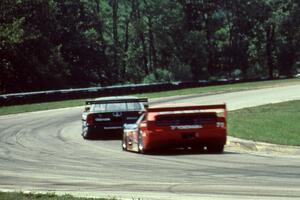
[253, 146]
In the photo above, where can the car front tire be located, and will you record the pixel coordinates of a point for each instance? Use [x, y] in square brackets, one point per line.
[124, 143]
[140, 143]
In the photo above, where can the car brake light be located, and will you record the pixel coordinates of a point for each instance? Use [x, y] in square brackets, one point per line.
[90, 119]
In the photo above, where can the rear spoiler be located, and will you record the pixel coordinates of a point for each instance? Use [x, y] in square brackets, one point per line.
[189, 108]
[140, 100]
[186, 108]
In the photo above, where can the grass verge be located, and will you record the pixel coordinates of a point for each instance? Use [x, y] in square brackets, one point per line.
[272, 123]
[40, 106]
[49, 196]
[224, 88]
[200, 90]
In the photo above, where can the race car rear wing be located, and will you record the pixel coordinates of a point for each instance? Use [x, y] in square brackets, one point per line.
[189, 108]
[183, 108]
[139, 100]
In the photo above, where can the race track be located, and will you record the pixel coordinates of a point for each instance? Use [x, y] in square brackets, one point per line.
[44, 151]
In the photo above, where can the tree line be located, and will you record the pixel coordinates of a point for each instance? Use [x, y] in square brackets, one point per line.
[51, 44]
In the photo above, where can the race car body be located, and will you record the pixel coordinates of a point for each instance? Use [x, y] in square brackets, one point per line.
[195, 127]
[105, 117]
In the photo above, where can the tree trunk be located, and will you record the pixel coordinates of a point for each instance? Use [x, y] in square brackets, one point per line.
[97, 6]
[270, 36]
[137, 16]
[126, 46]
[104, 73]
[115, 38]
[152, 49]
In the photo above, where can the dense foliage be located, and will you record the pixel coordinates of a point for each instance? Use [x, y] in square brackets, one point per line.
[49, 44]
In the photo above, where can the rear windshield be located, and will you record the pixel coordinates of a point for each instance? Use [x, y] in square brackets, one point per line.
[116, 107]
[167, 120]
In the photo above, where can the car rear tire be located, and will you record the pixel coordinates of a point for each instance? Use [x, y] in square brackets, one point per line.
[218, 148]
[85, 135]
[198, 149]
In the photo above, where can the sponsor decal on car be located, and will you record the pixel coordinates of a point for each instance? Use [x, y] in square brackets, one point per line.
[113, 127]
[131, 118]
[182, 127]
[102, 119]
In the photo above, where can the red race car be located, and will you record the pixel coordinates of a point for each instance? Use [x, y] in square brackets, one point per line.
[193, 127]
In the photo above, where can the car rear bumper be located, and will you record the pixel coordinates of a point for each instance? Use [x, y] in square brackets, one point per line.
[103, 132]
[174, 140]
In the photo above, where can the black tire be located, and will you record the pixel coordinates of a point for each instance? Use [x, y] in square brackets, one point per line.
[85, 135]
[140, 143]
[217, 148]
[198, 149]
[124, 143]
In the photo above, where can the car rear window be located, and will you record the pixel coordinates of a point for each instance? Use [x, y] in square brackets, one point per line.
[116, 107]
[133, 106]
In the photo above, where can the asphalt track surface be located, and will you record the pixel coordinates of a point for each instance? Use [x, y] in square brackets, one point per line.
[44, 151]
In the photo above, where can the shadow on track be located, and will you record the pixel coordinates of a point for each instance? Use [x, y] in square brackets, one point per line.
[185, 151]
[106, 137]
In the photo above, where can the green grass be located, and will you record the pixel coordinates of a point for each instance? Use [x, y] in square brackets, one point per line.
[272, 123]
[224, 88]
[200, 90]
[40, 106]
[49, 196]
